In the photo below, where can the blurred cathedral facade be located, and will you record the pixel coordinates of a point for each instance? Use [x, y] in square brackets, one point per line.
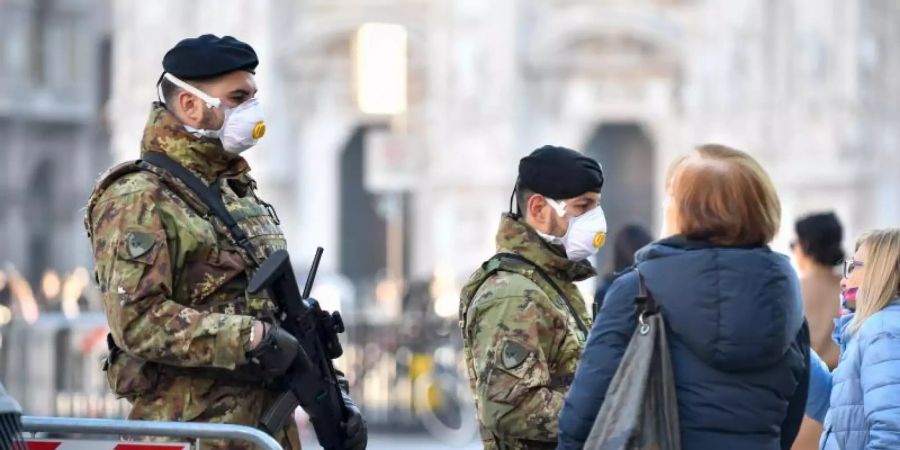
[55, 58]
[807, 86]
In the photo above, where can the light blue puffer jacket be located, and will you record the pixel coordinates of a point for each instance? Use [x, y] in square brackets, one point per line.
[864, 410]
[819, 387]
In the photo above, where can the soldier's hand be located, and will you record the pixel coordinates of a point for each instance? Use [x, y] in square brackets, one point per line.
[257, 332]
[354, 425]
[275, 352]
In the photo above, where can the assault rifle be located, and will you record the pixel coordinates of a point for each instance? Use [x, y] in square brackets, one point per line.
[311, 381]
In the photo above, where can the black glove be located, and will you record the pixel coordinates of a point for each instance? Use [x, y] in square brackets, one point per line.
[276, 352]
[354, 425]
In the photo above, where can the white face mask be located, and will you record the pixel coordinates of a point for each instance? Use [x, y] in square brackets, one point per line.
[242, 127]
[586, 233]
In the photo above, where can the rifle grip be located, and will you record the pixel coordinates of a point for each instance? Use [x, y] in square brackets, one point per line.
[274, 419]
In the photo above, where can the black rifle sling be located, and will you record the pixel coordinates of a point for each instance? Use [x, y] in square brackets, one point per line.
[211, 196]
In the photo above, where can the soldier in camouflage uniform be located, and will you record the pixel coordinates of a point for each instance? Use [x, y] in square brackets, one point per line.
[187, 342]
[523, 321]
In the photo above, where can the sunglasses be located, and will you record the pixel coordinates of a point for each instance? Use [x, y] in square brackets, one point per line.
[850, 265]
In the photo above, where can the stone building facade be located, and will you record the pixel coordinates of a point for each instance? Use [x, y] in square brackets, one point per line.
[55, 58]
[806, 86]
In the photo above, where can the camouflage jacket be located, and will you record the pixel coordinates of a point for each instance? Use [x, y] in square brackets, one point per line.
[174, 282]
[521, 338]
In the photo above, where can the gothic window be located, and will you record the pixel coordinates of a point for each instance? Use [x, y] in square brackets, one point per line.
[53, 45]
[37, 42]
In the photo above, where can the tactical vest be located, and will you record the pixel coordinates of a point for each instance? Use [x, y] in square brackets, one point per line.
[513, 263]
[258, 220]
[255, 217]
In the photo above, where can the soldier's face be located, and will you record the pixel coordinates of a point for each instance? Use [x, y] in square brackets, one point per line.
[546, 219]
[232, 89]
[575, 207]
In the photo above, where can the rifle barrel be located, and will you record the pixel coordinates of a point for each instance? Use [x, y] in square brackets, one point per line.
[311, 278]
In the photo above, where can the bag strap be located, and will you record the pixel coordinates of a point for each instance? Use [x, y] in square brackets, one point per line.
[210, 195]
[516, 258]
[644, 303]
[644, 300]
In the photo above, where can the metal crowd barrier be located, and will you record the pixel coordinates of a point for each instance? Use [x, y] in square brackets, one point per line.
[184, 430]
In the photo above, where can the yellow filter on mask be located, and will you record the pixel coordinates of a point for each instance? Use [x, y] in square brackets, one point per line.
[599, 239]
[259, 130]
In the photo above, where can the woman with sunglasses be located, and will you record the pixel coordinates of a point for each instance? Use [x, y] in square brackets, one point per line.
[863, 411]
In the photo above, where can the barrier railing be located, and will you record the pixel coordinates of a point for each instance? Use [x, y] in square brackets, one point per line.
[182, 430]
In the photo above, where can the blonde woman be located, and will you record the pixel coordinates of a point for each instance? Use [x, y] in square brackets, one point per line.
[864, 411]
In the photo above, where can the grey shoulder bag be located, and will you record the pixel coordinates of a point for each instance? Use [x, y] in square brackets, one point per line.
[640, 411]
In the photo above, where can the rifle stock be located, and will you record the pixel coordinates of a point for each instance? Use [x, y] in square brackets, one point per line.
[311, 381]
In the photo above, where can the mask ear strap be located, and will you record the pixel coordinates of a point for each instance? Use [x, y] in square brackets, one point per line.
[211, 102]
[512, 198]
[159, 88]
[558, 206]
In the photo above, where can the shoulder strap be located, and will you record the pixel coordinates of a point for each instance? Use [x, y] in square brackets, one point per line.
[164, 178]
[506, 258]
[210, 195]
[103, 182]
[644, 301]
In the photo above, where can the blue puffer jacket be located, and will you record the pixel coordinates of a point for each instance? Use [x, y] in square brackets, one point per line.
[737, 338]
[817, 400]
[865, 392]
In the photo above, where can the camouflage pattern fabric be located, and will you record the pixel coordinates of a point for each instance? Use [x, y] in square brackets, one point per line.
[174, 284]
[520, 340]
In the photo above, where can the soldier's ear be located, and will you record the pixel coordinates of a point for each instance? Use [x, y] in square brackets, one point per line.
[538, 210]
[190, 108]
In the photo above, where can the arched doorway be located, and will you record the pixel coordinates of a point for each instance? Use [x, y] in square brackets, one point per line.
[363, 215]
[626, 153]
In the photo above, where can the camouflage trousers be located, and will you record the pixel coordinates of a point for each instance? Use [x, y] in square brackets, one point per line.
[490, 443]
[203, 400]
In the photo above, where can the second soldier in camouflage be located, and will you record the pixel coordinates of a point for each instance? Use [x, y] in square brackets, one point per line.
[522, 319]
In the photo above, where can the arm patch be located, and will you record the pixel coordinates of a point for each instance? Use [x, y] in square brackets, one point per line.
[138, 243]
[513, 355]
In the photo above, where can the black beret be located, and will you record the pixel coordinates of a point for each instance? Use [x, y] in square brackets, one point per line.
[208, 56]
[560, 173]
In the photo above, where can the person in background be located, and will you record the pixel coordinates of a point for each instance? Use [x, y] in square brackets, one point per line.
[817, 250]
[629, 239]
[734, 316]
[863, 392]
